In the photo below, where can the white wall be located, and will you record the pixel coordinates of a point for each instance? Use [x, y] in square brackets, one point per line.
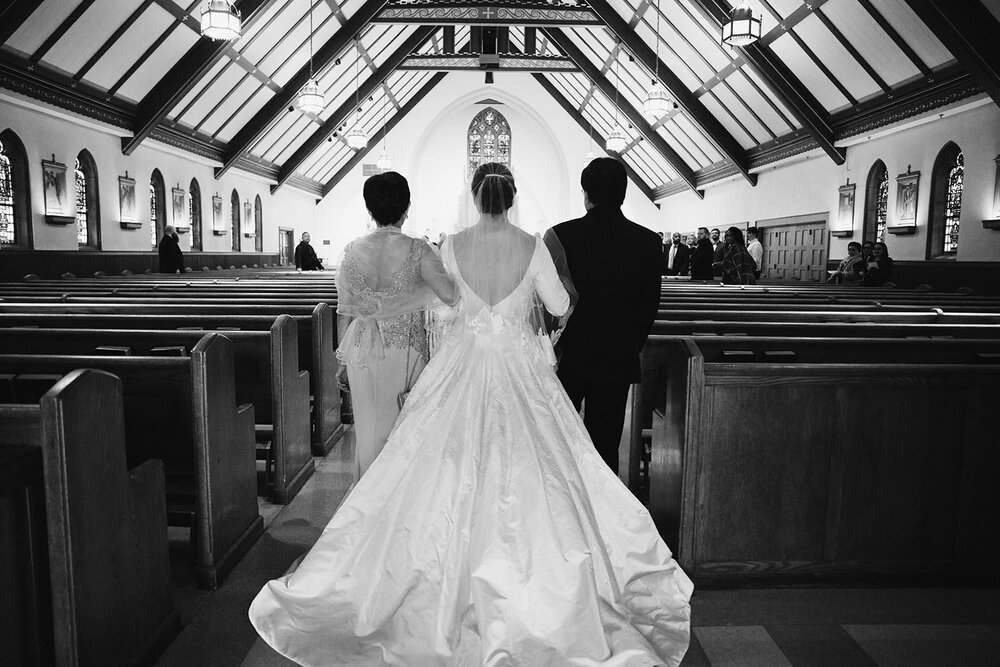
[46, 131]
[428, 148]
[810, 186]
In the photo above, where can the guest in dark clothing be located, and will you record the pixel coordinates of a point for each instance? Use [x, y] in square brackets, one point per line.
[171, 257]
[678, 255]
[305, 256]
[615, 265]
[718, 252]
[878, 270]
[701, 259]
[737, 265]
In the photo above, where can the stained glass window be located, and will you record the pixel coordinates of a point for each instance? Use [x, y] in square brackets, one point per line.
[881, 206]
[8, 234]
[488, 140]
[194, 214]
[258, 225]
[237, 232]
[953, 204]
[153, 222]
[81, 204]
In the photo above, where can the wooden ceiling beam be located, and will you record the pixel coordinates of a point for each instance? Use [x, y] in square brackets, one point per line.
[509, 62]
[970, 33]
[318, 138]
[341, 40]
[391, 123]
[590, 130]
[497, 13]
[185, 75]
[896, 38]
[699, 114]
[783, 83]
[638, 121]
[13, 16]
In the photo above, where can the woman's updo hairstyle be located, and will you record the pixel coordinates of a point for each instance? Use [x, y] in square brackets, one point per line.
[387, 196]
[493, 188]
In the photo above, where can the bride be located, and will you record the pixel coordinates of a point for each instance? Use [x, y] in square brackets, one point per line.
[489, 531]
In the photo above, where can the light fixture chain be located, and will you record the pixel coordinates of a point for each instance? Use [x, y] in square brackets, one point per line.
[311, 73]
[656, 38]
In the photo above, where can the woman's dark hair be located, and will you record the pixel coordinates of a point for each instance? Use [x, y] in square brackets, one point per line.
[885, 248]
[387, 195]
[854, 244]
[737, 235]
[499, 197]
[604, 180]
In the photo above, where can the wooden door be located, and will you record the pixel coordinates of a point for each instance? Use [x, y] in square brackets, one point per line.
[795, 252]
[286, 247]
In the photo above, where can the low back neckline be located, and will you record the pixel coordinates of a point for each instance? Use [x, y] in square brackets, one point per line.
[520, 283]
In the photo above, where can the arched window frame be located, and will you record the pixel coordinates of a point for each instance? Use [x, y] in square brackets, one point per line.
[488, 139]
[89, 201]
[946, 203]
[194, 214]
[876, 203]
[234, 216]
[157, 207]
[19, 207]
[258, 224]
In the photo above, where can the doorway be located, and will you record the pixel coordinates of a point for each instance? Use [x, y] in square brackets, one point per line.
[796, 250]
[286, 246]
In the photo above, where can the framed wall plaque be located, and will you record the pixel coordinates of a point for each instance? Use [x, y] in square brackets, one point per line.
[126, 202]
[907, 190]
[217, 226]
[845, 211]
[54, 187]
[248, 231]
[178, 200]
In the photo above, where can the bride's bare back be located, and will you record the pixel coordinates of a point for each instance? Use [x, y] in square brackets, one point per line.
[493, 258]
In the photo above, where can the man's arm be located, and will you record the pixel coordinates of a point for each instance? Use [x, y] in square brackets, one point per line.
[298, 256]
[649, 294]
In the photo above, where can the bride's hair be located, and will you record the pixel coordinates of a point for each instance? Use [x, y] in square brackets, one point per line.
[493, 188]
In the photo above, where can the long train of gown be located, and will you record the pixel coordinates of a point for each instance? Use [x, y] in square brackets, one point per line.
[489, 531]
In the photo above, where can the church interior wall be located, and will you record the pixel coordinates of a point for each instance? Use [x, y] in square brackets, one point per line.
[45, 132]
[429, 147]
[810, 185]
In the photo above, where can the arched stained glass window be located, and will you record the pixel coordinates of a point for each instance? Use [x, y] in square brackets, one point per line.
[8, 231]
[237, 232]
[15, 202]
[876, 202]
[947, 182]
[194, 214]
[81, 204]
[157, 207]
[258, 225]
[488, 140]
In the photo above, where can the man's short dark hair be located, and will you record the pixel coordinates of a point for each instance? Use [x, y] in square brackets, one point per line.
[754, 231]
[604, 180]
[716, 229]
[387, 195]
[703, 229]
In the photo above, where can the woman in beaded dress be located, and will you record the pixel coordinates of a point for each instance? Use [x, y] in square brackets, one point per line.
[386, 280]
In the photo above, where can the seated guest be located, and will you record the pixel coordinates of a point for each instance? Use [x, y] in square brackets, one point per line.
[850, 266]
[701, 259]
[737, 264]
[171, 257]
[866, 252]
[678, 256]
[878, 270]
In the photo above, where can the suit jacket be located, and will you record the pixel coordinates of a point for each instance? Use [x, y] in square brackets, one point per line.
[681, 260]
[701, 260]
[171, 257]
[305, 258]
[615, 266]
[717, 256]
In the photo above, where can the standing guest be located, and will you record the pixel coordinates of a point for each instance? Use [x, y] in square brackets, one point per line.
[878, 270]
[305, 256]
[701, 258]
[385, 282]
[171, 257]
[737, 264]
[678, 256]
[718, 252]
[601, 344]
[756, 250]
[847, 272]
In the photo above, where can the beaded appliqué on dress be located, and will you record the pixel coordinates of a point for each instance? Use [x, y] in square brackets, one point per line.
[400, 330]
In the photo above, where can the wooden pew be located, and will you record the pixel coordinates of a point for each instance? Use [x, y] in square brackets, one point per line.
[184, 411]
[779, 473]
[91, 581]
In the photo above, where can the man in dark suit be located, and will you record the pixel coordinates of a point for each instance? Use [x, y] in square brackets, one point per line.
[719, 248]
[702, 257]
[305, 256]
[615, 265]
[678, 256]
[171, 257]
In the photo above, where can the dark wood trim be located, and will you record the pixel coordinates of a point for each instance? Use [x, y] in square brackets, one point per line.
[896, 38]
[184, 76]
[391, 123]
[570, 109]
[111, 41]
[141, 60]
[780, 79]
[850, 48]
[14, 16]
[500, 13]
[318, 138]
[244, 139]
[684, 172]
[60, 219]
[970, 33]
[702, 118]
[63, 28]
[511, 62]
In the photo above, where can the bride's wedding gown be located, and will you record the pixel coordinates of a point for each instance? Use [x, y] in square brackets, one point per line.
[489, 531]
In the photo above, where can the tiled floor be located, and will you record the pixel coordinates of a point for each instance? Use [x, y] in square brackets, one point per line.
[801, 627]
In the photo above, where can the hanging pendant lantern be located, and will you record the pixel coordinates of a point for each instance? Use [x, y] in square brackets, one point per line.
[220, 20]
[616, 140]
[657, 103]
[744, 27]
[310, 99]
[357, 139]
[384, 162]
